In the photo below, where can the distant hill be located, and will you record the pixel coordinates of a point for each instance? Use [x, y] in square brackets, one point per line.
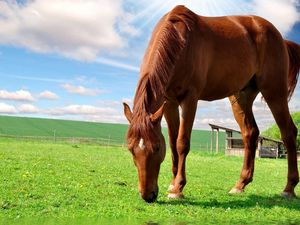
[24, 126]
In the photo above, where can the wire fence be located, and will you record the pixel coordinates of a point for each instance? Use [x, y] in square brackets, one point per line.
[108, 142]
[72, 140]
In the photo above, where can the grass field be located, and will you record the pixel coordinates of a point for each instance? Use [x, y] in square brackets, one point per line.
[22, 126]
[83, 184]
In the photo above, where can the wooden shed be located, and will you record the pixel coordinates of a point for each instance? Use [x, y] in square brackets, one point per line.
[267, 147]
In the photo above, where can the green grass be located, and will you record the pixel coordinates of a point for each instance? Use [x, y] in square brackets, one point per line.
[23, 126]
[91, 184]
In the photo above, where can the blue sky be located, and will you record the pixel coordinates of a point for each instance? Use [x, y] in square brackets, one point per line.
[72, 59]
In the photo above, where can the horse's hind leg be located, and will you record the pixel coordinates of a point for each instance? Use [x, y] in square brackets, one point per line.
[279, 107]
[242, 110]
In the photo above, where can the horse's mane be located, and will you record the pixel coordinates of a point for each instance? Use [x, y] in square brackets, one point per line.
[163, 52]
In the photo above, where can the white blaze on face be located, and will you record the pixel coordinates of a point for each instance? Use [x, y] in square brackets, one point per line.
[141, 144]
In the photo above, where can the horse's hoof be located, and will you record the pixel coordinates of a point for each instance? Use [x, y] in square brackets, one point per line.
[171, 187]
[175, 196]
[286, 194]
[236, 191]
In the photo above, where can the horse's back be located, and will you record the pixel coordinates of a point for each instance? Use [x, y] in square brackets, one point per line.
[236, 49]
[240, 33]
[229, 55]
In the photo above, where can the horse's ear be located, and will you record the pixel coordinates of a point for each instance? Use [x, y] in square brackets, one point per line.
[156, 117]
[127, 112]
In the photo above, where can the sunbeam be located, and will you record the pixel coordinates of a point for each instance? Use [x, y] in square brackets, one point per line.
[204, 7]
[151, 12]
[157, 12]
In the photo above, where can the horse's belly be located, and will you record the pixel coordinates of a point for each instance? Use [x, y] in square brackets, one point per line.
[215, 95]
[218, 87]
[227, 75]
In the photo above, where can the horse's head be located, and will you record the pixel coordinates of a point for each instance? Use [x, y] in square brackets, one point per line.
[147, 145]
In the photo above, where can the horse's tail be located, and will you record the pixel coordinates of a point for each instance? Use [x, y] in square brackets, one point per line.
[167, 43]
[294, 66]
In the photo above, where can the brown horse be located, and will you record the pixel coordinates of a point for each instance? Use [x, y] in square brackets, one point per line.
[192, 57]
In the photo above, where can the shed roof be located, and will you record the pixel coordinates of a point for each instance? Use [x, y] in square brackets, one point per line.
[213, 126]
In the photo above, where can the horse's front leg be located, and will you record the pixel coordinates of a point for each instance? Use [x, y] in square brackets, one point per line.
[189, 107]
[171, 114]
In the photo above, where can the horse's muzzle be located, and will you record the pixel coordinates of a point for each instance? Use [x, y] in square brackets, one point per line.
[149, 197]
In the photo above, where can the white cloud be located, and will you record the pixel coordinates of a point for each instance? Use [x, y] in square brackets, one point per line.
[7, 109]
[72, 28]
[28, 108]
[81, 90]
[220, 113]
[109, 103]
[117, 64]
[226, 122]
[282, 13]
[81, 110]
[294, 103]
[107, 118]
[20, 95]
[48, 95]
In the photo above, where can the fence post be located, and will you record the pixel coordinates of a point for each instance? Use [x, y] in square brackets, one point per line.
[54, 135]
[211, 140]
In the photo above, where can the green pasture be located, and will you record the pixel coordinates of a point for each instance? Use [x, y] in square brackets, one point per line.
[23, 126]
[51, 183]
[116, 133]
